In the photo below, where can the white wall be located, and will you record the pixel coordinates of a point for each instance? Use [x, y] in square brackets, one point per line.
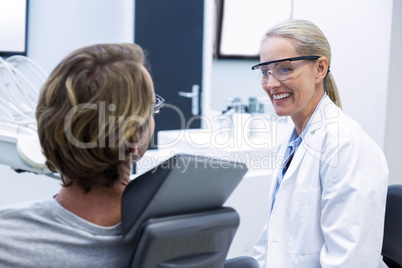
[359, 32]
[393, 130]
[233, 78]
[58, 27]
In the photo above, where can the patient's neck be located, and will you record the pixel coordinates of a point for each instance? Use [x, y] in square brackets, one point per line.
[101, 205]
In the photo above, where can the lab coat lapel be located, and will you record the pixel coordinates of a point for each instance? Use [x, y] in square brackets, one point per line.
[296, 161]
[324, 111]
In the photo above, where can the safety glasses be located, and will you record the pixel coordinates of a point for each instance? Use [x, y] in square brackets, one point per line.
[157, 107]
[282, 70]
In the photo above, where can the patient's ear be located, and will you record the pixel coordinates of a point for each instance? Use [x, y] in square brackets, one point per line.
[134, 153]
[135, 147]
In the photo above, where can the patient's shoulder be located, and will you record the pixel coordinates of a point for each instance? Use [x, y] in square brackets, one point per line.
[26, 209]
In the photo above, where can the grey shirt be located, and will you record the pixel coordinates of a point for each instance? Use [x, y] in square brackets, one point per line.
[44, 234]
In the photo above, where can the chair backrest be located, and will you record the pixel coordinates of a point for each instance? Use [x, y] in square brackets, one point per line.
[392, 242]
[175, 211]
[192, 240]
[242, 262]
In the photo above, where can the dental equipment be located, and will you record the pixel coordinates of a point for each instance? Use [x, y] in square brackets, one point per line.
[20, 80]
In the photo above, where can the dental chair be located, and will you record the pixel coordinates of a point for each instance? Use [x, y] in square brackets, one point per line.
[392, 242]
[173, 216]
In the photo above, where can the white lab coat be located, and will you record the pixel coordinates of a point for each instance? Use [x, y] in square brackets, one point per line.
[329, 210]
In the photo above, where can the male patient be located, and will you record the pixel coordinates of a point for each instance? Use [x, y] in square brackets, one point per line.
[95, 116]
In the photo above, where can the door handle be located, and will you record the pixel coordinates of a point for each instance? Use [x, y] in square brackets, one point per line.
[195, 95]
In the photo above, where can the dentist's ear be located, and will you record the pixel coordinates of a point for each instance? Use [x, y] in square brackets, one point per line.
[322, 67]
[133, 149]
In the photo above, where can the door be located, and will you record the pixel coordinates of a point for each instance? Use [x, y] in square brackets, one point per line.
[171, 34]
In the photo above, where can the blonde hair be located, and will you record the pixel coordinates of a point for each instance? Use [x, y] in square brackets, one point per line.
[85, 112]
[310, 41]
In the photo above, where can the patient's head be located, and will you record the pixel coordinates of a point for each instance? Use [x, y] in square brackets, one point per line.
[94, 114]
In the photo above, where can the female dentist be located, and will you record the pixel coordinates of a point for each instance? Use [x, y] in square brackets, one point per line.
[328, 199]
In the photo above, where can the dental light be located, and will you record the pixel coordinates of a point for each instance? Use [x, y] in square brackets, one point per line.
[20, 81]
